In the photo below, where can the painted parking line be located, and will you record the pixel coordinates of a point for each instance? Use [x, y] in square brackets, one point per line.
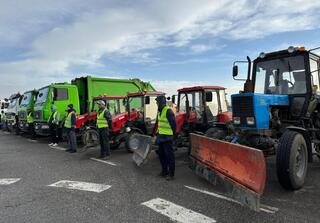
[32, 140]
[58, 148]
[78, 185]
[265, 208]
[176, 212]
[104, 161]
[8, 181]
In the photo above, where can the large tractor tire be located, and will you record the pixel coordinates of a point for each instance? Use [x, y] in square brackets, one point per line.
[292, 160]
[216, 133]
[90, 138]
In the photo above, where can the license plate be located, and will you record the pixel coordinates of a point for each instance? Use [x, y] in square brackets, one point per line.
[45, 127]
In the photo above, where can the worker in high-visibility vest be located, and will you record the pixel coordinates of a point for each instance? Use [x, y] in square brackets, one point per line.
[103, 122]
[166, 123]
[30, 122]
[69, 125]
[53, 123]
[3, 120]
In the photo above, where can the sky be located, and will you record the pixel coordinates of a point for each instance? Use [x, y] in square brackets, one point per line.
[171, 43]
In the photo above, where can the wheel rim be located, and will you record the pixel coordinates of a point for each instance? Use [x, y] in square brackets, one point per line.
[300, 160]
[133, 143]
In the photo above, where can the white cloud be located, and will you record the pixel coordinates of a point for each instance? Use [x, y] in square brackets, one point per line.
[59, 34]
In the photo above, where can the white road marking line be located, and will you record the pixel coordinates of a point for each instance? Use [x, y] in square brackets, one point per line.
[58, 148]
[31, 140]
[78, 185]
[177, 213]
[263, 207]
[104, 161]
[7, 181]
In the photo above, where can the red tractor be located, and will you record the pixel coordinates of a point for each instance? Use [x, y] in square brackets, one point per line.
[143, 110]
[200, 109]
[86, 124]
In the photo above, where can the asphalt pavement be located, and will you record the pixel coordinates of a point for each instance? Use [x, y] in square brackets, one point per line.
[43, 184]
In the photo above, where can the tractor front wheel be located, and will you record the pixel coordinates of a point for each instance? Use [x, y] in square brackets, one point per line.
[90, 138]
[131, 142]
[292, 160]
[216, 133]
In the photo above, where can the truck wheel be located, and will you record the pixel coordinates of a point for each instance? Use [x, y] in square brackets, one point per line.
[216, 133]
[131, 143]
[90, 138]
[292, 160]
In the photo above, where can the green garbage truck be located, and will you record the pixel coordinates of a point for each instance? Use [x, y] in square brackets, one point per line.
[12, 112]
[80, 93]
[27, 103]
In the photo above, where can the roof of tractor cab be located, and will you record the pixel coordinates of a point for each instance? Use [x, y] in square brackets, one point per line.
[143, 93]
[281, 53]
[200, 88]
[101, 97]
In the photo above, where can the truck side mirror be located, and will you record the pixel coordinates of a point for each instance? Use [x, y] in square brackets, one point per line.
[173, 99]
[147, 100]
[208, 96]
[235, 70]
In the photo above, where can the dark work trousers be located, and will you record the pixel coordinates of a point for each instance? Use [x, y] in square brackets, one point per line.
[72, 140]
[104, 142]
[32, 131]
[54, 133]
[166, 156]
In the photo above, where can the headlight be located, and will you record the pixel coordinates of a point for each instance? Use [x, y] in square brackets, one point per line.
[236, 120]
[250, 120]
[128, 129]
[45, 127]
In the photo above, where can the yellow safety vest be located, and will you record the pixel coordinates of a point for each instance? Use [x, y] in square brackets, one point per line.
[53, 115]
[67, 123]
[164, 127]
[101, 121]
[30, 118]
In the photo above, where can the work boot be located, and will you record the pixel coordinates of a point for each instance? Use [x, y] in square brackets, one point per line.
[50, 144]
[170, 178]
[162, 174]
[54, 145]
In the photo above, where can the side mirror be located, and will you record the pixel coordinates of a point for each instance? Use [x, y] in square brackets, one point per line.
[235, 70]
[173, 99]
[208, 96]
[147, 100]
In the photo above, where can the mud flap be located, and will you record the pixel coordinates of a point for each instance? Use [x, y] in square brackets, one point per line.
[140, 145]
[238, 171]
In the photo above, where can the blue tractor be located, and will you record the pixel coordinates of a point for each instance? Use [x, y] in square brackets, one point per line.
[278, 112]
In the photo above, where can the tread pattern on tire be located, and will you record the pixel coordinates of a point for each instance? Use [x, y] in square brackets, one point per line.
[283, 159]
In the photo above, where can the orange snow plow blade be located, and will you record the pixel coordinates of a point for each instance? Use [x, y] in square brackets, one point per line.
[238, 170]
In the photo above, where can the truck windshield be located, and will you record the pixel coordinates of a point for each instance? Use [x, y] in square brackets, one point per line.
[42, 96]
[281, 76]
[13, 103]
[26, 98]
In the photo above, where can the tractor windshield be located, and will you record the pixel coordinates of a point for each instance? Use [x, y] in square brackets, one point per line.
[26, 98]
[281, 76]
[192, 101]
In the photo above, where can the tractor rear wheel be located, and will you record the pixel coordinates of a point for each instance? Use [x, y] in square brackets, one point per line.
[292, 160]
[216, 133]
